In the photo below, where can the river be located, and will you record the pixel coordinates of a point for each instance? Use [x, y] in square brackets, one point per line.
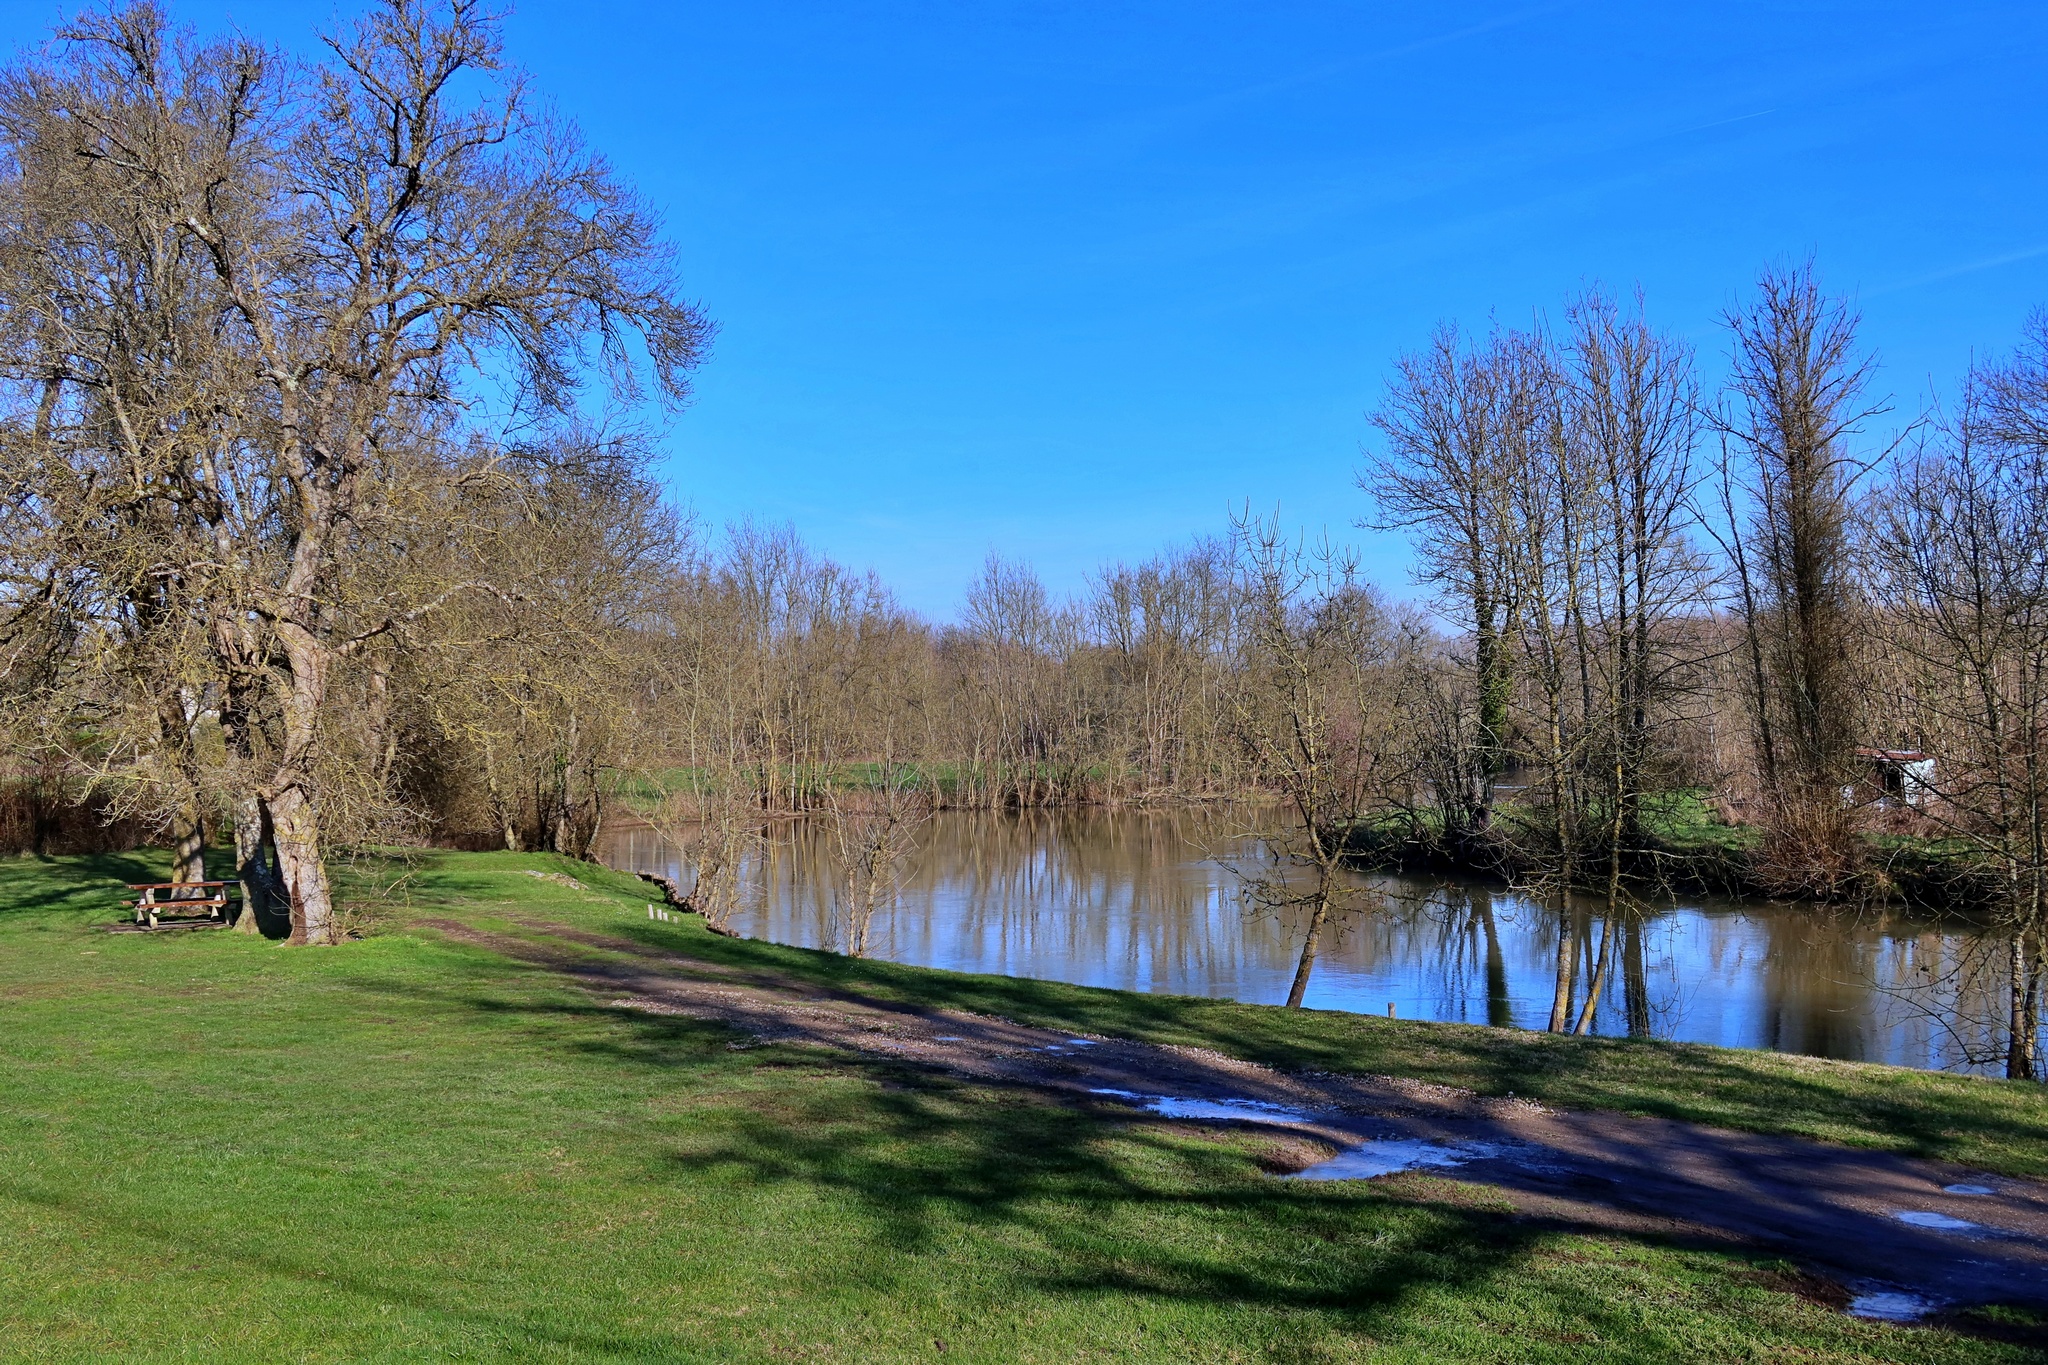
[1147, 901]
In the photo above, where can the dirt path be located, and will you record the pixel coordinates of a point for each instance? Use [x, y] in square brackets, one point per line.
[1929, 1234]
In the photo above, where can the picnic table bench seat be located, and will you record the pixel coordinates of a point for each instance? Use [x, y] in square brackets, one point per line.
[211, 897]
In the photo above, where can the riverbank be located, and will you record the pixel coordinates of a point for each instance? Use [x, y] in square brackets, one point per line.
[1687, 848]
[422, 1143]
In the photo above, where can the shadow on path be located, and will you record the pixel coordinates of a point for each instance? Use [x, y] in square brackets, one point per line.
[1838, 1210]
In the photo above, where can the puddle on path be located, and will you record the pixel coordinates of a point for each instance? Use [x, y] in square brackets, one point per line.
[1363, 1162]
[1060, 1048]
[1967, 1189]
[1173, 1107]
[1941, 1222]
[1890, 1305]
[1371, 1159]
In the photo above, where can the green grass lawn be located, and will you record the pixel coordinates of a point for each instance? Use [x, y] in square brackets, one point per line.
[1683, 820]
[218, 1148]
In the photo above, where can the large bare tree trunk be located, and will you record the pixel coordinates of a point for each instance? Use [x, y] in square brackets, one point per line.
[295, 826]
[188, 850]
[252, 863]
[290, 795]
[176, 715]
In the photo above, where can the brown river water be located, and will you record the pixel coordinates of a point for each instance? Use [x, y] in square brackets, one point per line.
[1147, 901]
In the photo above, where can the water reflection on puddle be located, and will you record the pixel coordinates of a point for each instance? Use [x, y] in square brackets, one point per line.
[1371, 1159]
[1366, 1161]
[1138, 900]
[1940, 1222]
[1891, 1305]
[1173, 1107]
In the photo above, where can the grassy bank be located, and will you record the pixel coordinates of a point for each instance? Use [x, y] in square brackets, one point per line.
[218, 1148]
[1686, 848]
[1685, 845]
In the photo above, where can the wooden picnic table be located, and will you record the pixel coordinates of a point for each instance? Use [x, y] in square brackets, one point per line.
[212, 898]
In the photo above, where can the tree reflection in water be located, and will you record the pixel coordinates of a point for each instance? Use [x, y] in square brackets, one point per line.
[1136, 900]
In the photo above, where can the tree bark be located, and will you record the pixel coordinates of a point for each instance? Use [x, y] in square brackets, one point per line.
[252, 863]
[1309, 944]
[295, 825]
[188, 854]
[2022, 1025]
[1599, 975]
[289, 798]
[1567, 967]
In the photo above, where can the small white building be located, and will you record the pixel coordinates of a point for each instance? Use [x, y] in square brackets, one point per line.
[1898, 777]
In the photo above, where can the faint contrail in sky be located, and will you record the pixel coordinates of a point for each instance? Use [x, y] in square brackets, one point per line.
[1723, 122]
[1967, 268]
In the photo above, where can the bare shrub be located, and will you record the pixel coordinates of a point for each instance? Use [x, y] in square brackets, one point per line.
[1810, 845]
[872, 831]
[715, 823]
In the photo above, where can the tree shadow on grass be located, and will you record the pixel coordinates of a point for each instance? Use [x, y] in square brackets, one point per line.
[1624, 1178]
[1072, 1187]
[1911, 1112]
[1069, 1200]
[1072, 1201]
[93, 886]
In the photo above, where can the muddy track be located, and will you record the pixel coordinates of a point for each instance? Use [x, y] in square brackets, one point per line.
[1875, 1222]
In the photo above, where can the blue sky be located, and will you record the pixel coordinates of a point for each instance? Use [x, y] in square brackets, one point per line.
[1066, 281]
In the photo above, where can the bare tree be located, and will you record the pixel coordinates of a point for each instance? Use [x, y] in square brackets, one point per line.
[371, 245]
[1453, 419]
[1795, 400]
[116, 389]
[1319, 649]
[713, 818]
[1016, 643]
[1163, 630]
[1635, 404]
[1963, 588]
[873, 828]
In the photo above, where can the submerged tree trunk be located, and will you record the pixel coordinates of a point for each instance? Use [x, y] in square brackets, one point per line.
[2023, 1025]
[1567, 967]
[1613, 900]
[1500, 1011]
[1634, 979]
[1599, 974]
